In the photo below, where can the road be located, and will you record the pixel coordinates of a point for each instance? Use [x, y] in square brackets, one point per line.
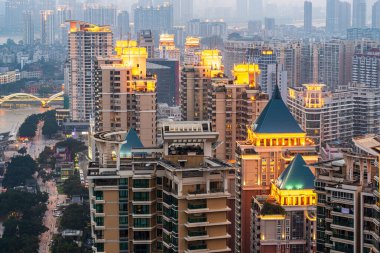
[50, 222]
[37, 145]
[34, 148]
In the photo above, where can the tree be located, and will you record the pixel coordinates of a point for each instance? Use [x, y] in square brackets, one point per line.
[46, 157]
[74, 146]
[50, 126]
[19, 169]
[75, 217]
[22, 151]
[64, 245]
[72, 186]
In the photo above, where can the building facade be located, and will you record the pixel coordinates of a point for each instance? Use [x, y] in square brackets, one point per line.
[272, 142]
[366, 68]
[285, 220]
[125, 95]
[168, 199]
[86, 42]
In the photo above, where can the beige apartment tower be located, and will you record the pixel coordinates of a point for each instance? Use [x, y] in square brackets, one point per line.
[86, 42]
[125, 96]
[234, 105]
[171, 198]
[196, 80]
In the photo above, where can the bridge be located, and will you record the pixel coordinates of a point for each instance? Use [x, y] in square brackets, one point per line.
[25, 97]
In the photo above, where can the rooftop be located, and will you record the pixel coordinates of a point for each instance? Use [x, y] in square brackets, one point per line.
[276, 117]
[296, 176]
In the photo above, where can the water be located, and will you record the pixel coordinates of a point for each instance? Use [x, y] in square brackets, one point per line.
[11, 119]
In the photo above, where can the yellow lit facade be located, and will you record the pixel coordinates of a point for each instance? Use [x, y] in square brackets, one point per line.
[80, 26]
[272, 143]
[192, 42]
[167, 48]
[246, 74]
[294, 197]
[212, 59]
[126, 94]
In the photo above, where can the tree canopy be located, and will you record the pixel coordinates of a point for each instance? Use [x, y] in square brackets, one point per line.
[19, 169]
[74, 146]
[72, 186]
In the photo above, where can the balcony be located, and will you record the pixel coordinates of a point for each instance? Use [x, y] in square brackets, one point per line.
[197, 219]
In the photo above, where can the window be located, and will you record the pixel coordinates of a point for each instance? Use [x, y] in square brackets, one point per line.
[123, 194]
[141, 183]
[141, 222]
[123, 220]
[141, 209]
[141, 196]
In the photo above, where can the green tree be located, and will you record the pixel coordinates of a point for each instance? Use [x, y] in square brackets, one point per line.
[74, 146]
[64, 245]
[19, 169]
[75, 217]
[72, 186]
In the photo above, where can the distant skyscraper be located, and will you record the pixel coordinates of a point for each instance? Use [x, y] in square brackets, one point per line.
[13, 15]
[82, 65]
[255, 9]
[100, 14]
[145, 3]
[359, 13]
[269, 24]
[241, 9]
[344, 16]
[308, 16]
[28, 28]
[332, 7]
[63, 13]
[157, 19]
[123, 28]
[47, 27]
[376, 15]
[183, 11]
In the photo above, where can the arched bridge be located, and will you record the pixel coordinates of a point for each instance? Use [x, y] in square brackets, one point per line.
[22, 97]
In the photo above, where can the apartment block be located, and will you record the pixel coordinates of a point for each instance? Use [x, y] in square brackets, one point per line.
[172, 198]
[272, 142]
[196, 79]
[366, 68]
[285, 220]
[86, 42]
[167, 49]
[348, 200]
[125, 95]
[234, 105]
[192, 50]
[324, 115]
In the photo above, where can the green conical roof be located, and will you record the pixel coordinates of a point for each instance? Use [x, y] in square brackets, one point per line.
[276, 117]
[296, 176]
[132, 141]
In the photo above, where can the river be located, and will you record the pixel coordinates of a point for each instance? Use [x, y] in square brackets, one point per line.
[11, 119]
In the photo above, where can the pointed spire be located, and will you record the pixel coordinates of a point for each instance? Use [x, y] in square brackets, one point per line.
[276, 93]
[296, 176]
[132, 141]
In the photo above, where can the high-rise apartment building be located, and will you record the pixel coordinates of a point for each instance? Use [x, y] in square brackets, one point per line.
[183, 11]
[102, 15]
[196, 79]
[123, 28]
[47, 27]
[325, 116]
[359, 13]
[13, 15]
[173, 197]
[255, 9]
[241, 9]
[28, 28]
[157, 19]
[125, 95]
[167, 72]
[285, 220]
[338, 16]
[376, 15]
[272, 142]
[145, 39]
[145, 3]
[348, 199]
[366, 68]
[63, 14]
[86, 42]
[308, 16]
[233, 105]
[335, 63]
[192, 50]
[167, 49]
